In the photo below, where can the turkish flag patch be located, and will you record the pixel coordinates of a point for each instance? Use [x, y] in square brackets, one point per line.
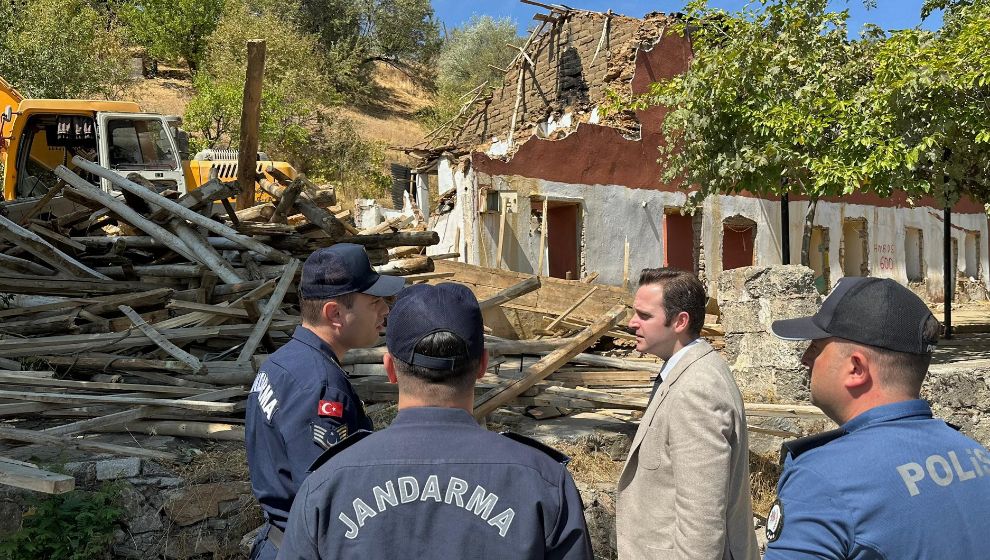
[333, 409]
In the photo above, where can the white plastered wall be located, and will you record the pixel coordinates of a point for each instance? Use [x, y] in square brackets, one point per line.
[613, 214]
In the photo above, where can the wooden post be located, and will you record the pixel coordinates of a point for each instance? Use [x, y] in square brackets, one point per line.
[625, 267]
[543, 238]
[247, 157]
[501, 237]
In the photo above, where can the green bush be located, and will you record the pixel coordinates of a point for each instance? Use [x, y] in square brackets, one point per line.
[172, 29]
[61, 49]
[78, 525]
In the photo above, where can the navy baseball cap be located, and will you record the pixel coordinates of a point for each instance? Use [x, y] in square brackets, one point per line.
[342, 269]
[422, 310]
[873, 311]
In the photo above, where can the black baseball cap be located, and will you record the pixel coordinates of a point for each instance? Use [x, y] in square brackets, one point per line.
[872, 311]
[342, 269]
[422, 310]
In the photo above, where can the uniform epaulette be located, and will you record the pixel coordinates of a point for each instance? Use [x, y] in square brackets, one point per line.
[338, 447]
[796, 447]
[553, 453]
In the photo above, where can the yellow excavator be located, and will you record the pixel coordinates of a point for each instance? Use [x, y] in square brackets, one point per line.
[38, 135]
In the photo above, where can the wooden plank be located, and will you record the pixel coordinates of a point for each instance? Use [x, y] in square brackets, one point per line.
[34, 244]
[30, 436]
[162, 342]
[548, 364]
[600, 398]
[543, 238]
[204, 430]
[29, 478]
[33, 285]
[207, 254]
[805, 411]
[40, 205]
[20, 378]
[61, 398]
[397, 239]
[197, 198]
[24, 266]
[528, 285]
[501, 224]
[225, 311]
[288, 277]
[130, 415]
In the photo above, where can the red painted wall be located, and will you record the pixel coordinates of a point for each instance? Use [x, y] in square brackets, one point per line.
[562, 240]
[737, 247]
[678, 242]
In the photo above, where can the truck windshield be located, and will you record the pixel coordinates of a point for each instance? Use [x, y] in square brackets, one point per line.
[140, 144]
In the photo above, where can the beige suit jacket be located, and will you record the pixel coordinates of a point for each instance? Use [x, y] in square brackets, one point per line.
[684, 491]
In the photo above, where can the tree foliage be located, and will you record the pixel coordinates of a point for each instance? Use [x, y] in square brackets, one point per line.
[353, 33]
[172, 29]
[61, 49]
[778, 99]
[471, 56]
[296, 121]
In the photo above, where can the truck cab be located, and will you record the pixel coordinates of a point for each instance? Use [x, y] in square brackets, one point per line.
[38, 135]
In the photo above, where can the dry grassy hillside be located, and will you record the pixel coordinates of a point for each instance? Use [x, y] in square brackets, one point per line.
[388, 118]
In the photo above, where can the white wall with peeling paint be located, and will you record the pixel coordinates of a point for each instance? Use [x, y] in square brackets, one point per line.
[611, 215]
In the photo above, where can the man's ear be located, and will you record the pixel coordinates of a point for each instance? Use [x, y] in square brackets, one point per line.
[390, 368]
[859, 371]
[330, 312]
[682, 322]
[484, 365]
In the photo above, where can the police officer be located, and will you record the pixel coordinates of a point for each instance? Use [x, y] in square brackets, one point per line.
[301, 402]
[434, 484]
[892, 482]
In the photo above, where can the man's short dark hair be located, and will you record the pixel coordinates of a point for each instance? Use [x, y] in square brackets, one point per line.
[682, 291]
[442, 344]
[906, 371]
[311, 310]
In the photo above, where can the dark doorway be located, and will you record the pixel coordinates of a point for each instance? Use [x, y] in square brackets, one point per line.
[678, 241]
[738, 238]
[563, 222]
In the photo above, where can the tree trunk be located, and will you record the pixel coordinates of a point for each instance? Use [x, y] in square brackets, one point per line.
[809, 222]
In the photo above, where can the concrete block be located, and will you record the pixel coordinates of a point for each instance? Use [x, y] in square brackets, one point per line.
[111, 469]
[780, 281]
[741, 317]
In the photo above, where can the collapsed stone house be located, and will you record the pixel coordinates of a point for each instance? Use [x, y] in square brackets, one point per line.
[532, 167]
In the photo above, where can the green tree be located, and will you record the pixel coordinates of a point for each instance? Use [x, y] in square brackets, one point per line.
[355, 33]
[935, 85]
[772, 103]
[471, 56]
[61, 49]
[297, 122]
[172, 29]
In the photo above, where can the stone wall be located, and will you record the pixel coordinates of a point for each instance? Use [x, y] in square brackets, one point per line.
[165, 515]
[768, 370]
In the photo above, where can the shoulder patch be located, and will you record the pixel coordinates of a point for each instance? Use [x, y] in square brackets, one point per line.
[337, 448]
[775, 521]
[553, 453]
[796, 447]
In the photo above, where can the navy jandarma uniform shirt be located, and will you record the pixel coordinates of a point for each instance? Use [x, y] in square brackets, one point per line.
[436, 485]
[892, 483]
[301, 403]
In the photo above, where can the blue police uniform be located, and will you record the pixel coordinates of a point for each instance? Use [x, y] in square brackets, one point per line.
[301, 403]
[892, 483]
[436, 485]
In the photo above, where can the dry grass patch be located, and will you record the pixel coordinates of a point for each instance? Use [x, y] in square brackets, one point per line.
[590, 461]
[764, 472]
[224, 461]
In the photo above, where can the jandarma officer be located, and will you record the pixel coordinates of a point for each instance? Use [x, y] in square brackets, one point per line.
[892, 482]
[301, 402]
[434, 484]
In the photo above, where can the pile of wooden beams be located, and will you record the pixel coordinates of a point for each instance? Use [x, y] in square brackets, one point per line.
[158, 326]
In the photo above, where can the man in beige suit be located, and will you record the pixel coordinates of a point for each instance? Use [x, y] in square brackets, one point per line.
[684, 491]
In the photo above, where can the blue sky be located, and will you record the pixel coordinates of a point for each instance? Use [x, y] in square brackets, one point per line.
[888, 14]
